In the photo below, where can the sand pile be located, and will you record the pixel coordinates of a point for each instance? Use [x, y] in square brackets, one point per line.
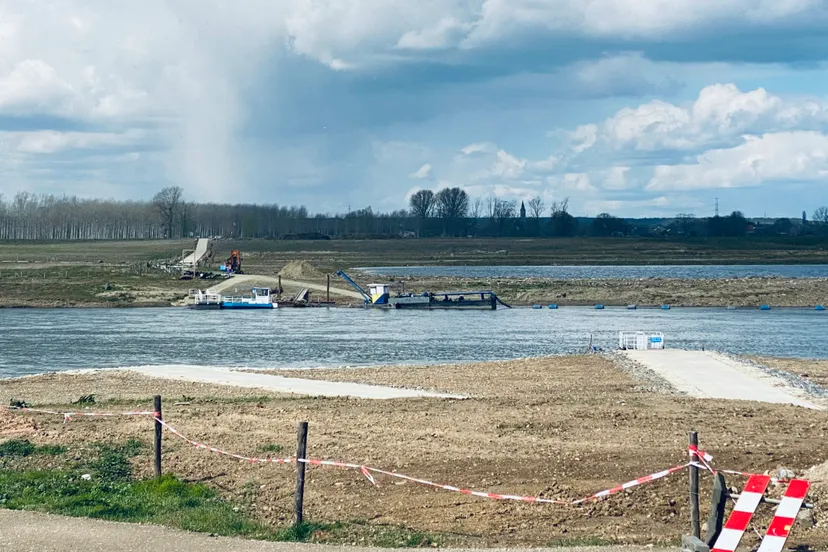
[300, 269]
[818, 474]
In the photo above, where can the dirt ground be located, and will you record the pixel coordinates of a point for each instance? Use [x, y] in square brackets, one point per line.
[560, 427]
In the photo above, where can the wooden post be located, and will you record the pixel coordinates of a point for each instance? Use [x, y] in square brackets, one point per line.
[280, 284]
[301, 452]
[328, 299]
[158, 429]
[695, 525]
[715, 518]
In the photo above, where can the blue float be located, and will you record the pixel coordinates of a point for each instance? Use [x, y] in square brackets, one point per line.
[765, 307]
[820, 308]
[536, 307]
[599, 307]
[553, 306]
[665, 307]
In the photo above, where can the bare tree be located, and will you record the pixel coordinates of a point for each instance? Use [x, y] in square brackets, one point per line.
[167, 202]
[559, 206]
[503, 211]
[452, 203]
[491, 207]
[563, 224]
[536, 206]
[475, 208]
[422, 204]
[820, 215]
[452, 206]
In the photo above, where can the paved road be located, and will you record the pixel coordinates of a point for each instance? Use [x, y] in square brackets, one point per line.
[712, 376]
[33, 532]
[317, 388]
[239, 280]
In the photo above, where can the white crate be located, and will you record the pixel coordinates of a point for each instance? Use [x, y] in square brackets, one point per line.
[640, 341]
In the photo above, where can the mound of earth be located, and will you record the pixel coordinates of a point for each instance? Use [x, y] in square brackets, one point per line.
[300, 269]
[15, 424]
[818, 474]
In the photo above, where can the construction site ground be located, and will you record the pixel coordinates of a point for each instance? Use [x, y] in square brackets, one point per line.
[560, 427]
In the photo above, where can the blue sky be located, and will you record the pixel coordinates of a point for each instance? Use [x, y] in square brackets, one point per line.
[636, 107]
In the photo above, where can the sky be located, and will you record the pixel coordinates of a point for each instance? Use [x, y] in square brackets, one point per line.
[632, 107]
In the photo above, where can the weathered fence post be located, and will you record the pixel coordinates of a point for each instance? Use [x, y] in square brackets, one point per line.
[301, 454]
[328, 299]
[715, 519]
[695, 525]
[158, 429]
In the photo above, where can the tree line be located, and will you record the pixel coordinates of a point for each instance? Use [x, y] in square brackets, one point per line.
[448, 212]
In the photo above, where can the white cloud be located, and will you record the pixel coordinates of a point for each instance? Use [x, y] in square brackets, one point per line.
[507, 166]
[721, 113]
[479, 147]
[423, 173]
[50, 141]
[584, 137]
[614, 178]
[783, 156]
[442, 35]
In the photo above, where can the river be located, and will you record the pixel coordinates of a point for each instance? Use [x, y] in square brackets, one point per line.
[608, 272]
[39, 340]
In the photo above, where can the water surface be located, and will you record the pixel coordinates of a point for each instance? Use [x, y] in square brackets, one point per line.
[611, 272]
[38, 340]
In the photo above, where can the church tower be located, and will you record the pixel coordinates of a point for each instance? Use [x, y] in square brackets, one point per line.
[522, 210]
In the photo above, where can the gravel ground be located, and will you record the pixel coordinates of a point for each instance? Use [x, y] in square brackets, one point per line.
[648, 379]
[559, 427]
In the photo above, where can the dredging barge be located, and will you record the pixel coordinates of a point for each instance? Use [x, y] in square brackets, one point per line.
[379, 296]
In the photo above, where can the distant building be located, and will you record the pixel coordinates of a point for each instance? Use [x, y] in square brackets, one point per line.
[522, 210]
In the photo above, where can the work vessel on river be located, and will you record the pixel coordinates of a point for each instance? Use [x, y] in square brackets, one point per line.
[380, 296]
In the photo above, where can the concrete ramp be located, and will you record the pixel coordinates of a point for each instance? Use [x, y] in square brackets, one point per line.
[709, 375]
[200, 251]
[318, 388]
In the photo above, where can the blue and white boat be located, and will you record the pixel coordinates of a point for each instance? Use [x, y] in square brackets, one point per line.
[260, 298]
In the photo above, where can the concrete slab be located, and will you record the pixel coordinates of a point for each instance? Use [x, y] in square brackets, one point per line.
[200, 251]
[229, 376]
[709, 375]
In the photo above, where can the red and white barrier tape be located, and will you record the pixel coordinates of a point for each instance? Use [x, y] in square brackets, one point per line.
[698, 458]
[368, 471]
[67, 416]
[705, 462]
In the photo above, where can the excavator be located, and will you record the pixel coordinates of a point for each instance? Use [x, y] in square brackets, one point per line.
[233, 264]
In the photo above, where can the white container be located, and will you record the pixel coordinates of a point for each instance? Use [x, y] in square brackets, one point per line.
[640, 341]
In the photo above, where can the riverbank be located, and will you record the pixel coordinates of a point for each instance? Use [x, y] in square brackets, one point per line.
[120, 274]
[739, 292]
[160, 291]
[559, 427]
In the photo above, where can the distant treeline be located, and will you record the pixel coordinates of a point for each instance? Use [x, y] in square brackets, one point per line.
[450, 212]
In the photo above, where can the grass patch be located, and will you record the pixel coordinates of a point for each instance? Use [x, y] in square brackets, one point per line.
[165, 501]
[300, 533]
[172, 502]
[270, 447]
[23, 447]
